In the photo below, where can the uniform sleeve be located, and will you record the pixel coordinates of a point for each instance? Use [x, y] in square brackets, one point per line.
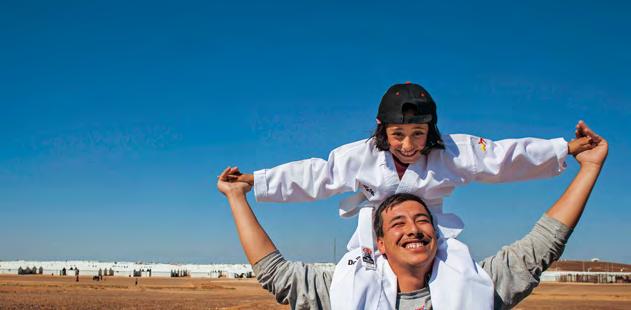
[311, 179]
[294, 283]
[483, 160]
[516, 269]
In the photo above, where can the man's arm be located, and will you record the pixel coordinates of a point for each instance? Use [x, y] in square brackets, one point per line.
[569, 208]
[255, 241]
[300, 285]
[515, 269]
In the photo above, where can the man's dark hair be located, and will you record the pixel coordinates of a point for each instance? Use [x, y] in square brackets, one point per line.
[377, 219]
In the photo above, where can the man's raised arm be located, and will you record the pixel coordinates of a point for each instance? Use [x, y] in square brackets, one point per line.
[569, 208]
[516, 269]
[255, 241]
[302, 286]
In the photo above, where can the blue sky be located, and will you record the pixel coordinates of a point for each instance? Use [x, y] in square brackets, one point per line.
[116, 117]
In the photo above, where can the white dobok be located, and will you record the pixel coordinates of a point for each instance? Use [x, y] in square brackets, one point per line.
[368, 283]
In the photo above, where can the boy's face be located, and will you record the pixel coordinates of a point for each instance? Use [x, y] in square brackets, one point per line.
[407, 141]
[409, 238]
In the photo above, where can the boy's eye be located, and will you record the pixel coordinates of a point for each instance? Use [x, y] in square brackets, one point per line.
[397, 136]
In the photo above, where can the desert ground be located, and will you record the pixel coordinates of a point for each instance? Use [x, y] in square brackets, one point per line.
[54, 292]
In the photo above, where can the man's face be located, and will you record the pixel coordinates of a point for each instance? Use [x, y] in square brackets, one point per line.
[409, 239]
[407, 141]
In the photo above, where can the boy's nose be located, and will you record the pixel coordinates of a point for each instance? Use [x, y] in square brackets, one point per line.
[407, 144]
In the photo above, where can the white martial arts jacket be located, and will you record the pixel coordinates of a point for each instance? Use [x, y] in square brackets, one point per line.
[361, 167]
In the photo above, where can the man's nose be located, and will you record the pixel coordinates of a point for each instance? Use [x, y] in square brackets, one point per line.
[412, 230]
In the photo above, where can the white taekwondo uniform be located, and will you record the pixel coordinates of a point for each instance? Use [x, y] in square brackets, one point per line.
[361, 166]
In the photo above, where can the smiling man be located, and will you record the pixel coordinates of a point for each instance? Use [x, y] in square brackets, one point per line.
[408, 243]
[407, 238]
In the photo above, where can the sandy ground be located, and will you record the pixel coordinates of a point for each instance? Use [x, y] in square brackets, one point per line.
[55, 292]
[48, 292]
[578, 296]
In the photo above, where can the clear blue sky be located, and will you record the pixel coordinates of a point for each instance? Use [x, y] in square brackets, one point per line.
[116, 117]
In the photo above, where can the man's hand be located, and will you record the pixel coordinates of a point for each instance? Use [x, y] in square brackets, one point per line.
[583, 131]
[228, 186]
[598, 153]
[586, 139]
[256, 243]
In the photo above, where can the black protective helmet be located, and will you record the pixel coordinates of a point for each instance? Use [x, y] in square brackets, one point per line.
[410, 104]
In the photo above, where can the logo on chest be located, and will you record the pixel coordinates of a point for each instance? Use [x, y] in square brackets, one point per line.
[353, 261]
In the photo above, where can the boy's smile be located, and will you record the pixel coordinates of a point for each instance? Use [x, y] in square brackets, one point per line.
[407, 141]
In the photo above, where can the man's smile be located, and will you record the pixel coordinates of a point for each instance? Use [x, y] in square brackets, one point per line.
[416, 243]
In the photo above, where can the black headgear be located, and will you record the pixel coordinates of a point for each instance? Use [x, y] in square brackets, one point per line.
[401, 99]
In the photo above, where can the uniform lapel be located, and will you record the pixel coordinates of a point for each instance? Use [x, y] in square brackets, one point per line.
[391, 178]
[413, 173]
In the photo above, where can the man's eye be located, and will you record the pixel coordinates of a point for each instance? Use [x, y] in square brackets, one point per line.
[422, 221]
[419, 133]
[397, 224]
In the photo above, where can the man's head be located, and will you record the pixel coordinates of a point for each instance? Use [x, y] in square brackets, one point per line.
[405, 233]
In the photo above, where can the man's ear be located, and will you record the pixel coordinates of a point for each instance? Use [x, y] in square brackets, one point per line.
[380, 245]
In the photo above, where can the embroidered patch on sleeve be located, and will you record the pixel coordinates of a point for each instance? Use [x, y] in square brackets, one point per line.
[482, 144]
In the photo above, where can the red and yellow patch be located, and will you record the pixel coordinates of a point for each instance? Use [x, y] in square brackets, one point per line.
[482, 144]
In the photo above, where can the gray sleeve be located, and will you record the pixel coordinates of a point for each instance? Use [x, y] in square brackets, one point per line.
[300, 285]
[515, 269]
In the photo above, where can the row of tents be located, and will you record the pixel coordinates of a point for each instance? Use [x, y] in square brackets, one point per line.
[595, 278]
[29, 270]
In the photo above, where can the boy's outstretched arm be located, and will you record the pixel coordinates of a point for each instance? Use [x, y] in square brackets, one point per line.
[569, 207]
[255, 241]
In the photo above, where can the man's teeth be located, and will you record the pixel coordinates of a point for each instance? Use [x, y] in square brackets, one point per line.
[414, 245]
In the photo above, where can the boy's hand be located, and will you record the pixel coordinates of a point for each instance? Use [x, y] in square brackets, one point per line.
[227, 184]
[234, 175]
[579, 145]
